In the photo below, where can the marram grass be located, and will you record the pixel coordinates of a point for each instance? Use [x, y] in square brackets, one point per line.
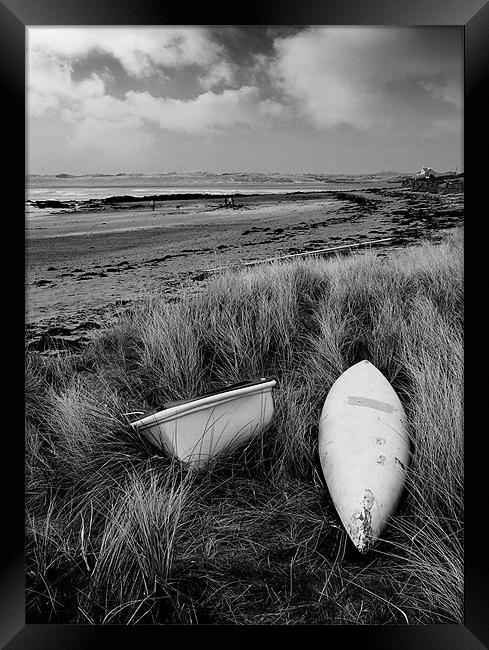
[119, 533]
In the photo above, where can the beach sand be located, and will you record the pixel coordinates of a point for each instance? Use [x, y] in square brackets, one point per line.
[83, 267]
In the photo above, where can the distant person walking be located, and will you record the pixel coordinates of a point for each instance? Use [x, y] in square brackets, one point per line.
[153, 204]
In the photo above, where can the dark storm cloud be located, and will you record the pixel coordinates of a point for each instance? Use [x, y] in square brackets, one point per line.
[242, 44]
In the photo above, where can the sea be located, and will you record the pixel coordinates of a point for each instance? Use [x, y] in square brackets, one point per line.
[67, 188]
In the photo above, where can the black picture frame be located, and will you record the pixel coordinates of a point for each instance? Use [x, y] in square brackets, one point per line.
[473, 16]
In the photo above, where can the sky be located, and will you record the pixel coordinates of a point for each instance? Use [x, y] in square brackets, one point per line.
[327, 99]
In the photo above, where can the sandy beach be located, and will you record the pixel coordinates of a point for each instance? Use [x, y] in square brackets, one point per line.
[82, 267]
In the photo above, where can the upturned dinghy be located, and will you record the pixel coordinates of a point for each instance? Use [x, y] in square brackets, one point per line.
[364, 451]
[196, 429]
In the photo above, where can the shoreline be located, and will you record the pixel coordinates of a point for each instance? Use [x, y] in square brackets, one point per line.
[118, 200]
[83, 268]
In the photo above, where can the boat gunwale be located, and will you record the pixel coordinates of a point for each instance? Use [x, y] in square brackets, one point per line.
[225, 389]
[202, 402]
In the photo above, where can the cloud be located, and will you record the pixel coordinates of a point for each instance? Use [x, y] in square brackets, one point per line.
[91, 113]
[206, 114]
[221, 73]
[141, 51]
[449, 91]
[350, 75]
[53, 53]
[86, 106]
[273, 109]
[110, 140]
[50, 84]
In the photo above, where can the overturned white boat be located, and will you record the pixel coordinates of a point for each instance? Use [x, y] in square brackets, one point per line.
[198, 428]
[364, 451]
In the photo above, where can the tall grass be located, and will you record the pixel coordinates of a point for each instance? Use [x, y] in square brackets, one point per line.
[119, 533]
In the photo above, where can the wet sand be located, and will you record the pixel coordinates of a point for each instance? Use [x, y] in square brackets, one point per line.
[83, 267]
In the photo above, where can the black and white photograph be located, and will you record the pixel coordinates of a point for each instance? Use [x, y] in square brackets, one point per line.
[244, 319]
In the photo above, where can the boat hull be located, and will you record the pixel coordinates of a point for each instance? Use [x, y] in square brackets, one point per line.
[364, 451]
[198, 429]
